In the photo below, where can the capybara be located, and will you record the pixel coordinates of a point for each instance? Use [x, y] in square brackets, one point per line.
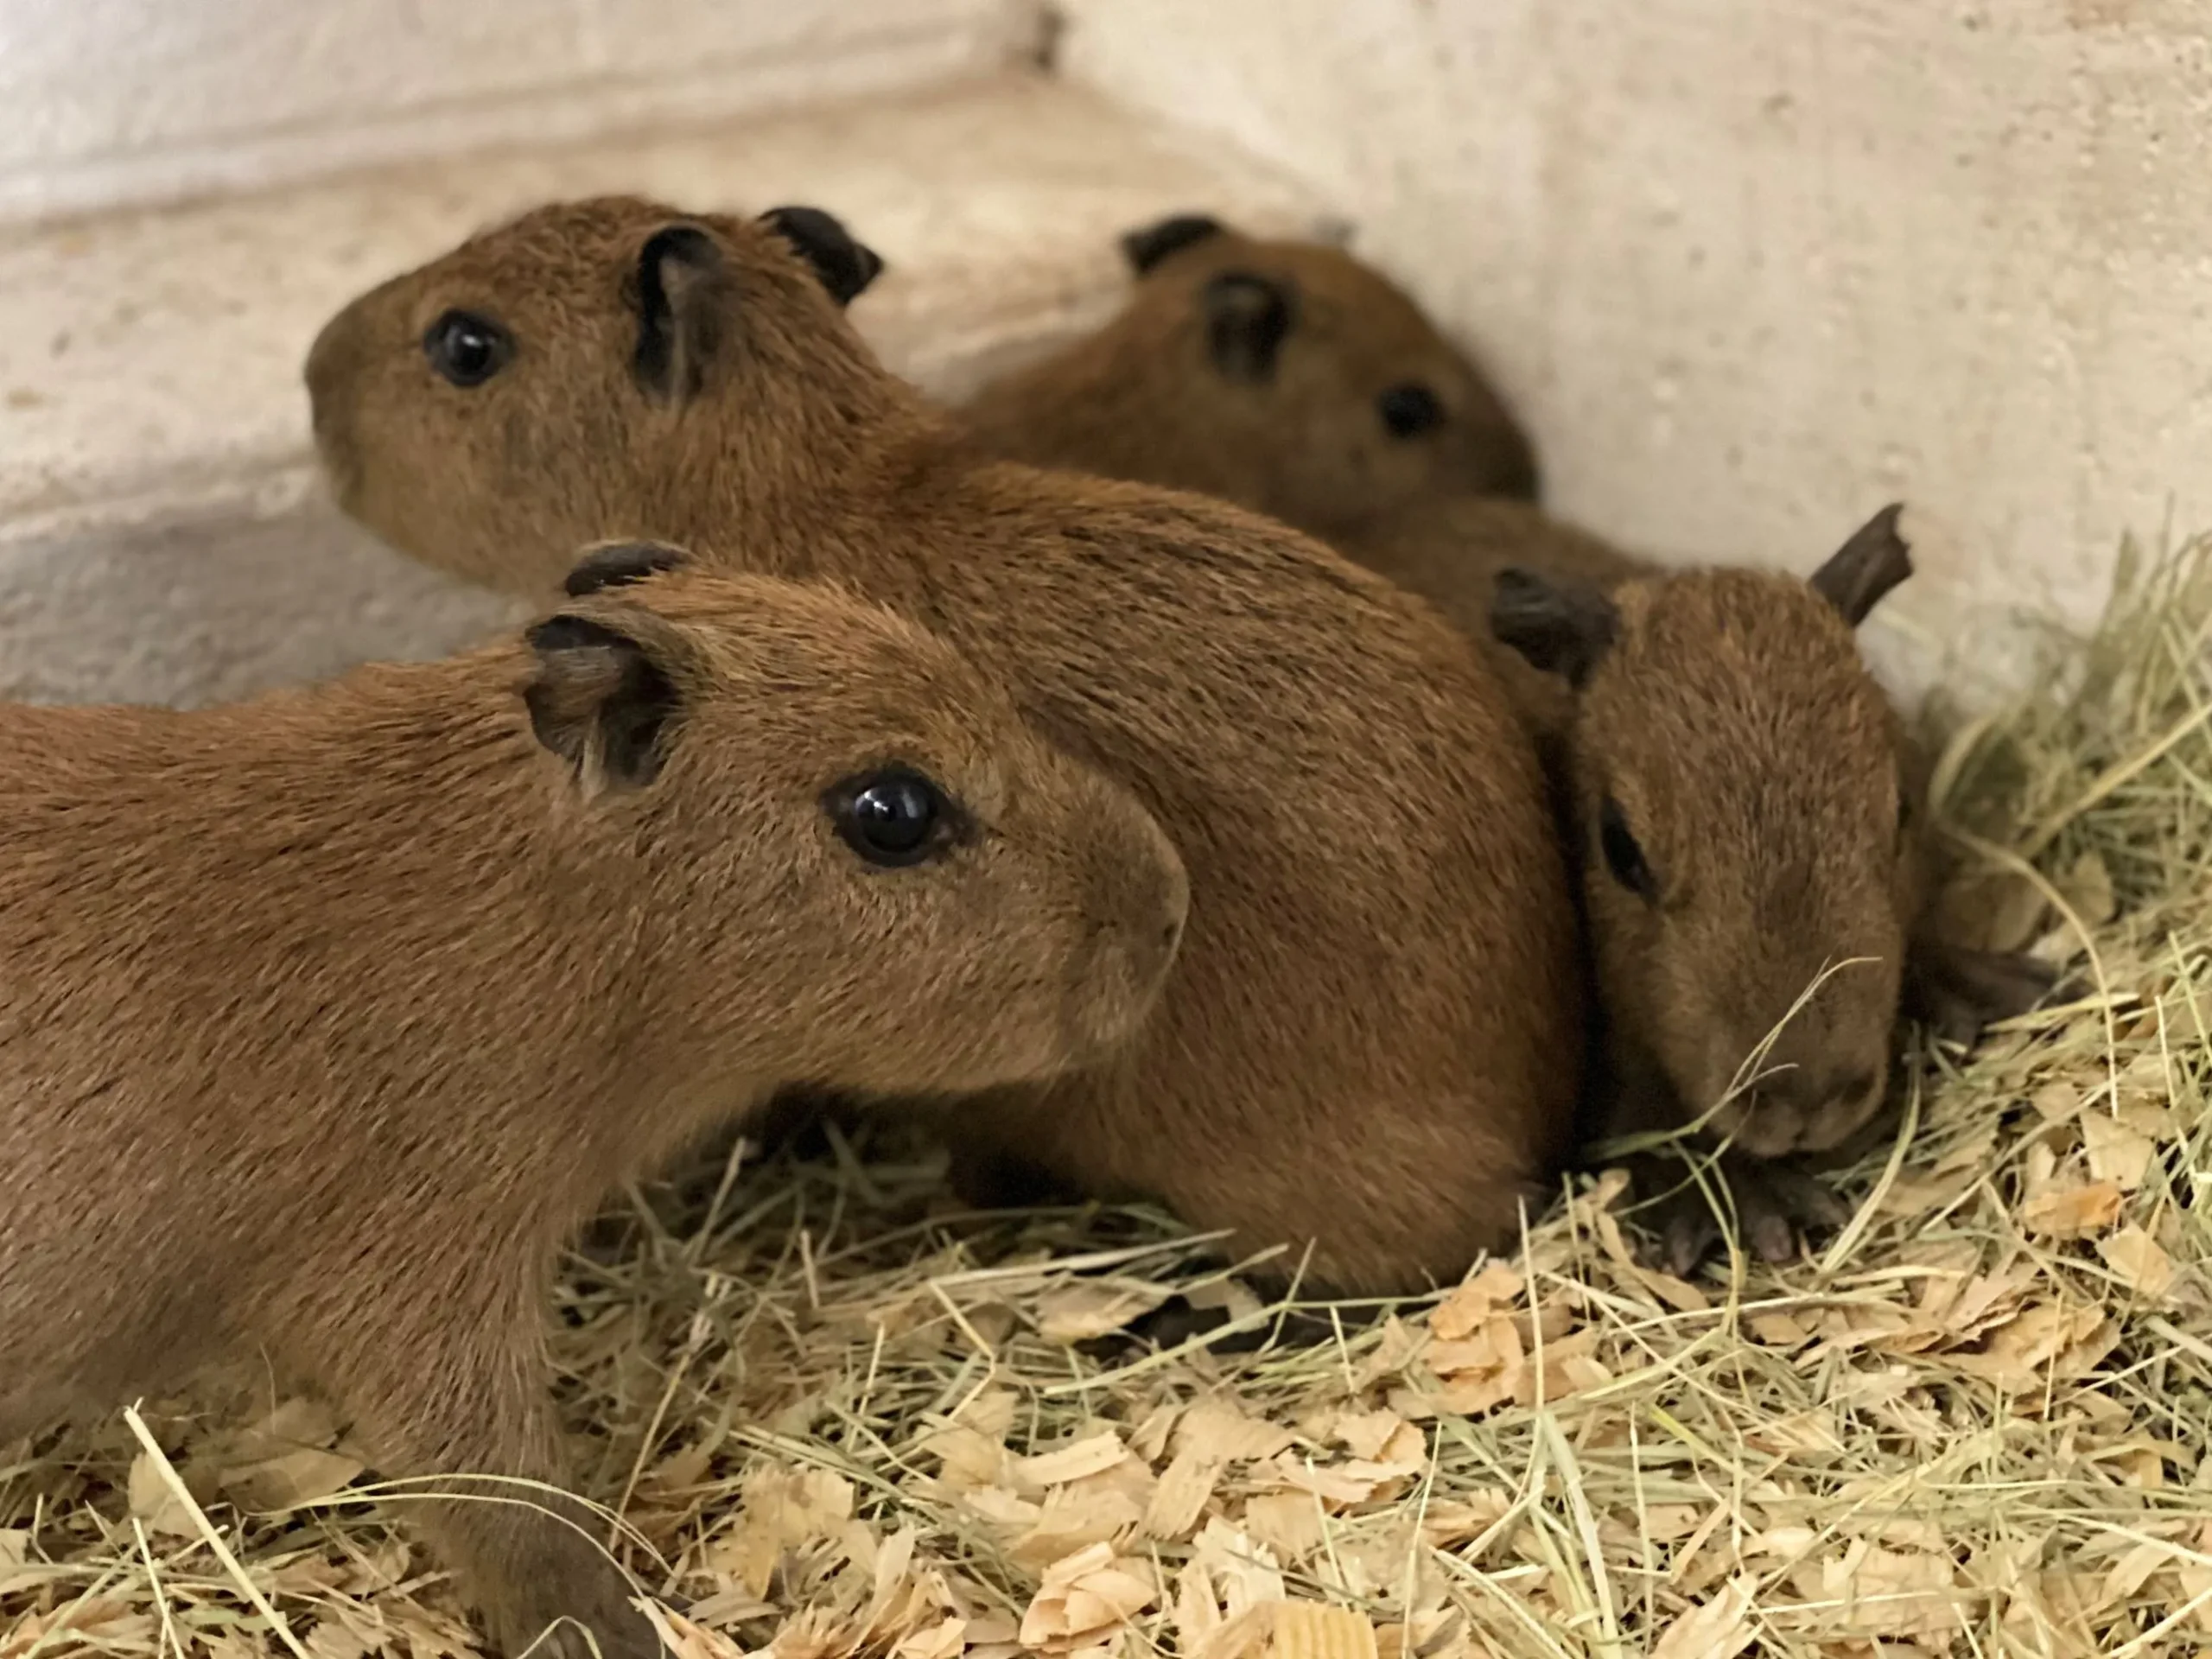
[1287, 377]
[1372, 1041]
[325, 1017]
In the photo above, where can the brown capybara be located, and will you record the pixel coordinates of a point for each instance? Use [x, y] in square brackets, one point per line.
[324, 1017]
[1750, 818]
[1287, 377]
[1371, 1042]
[1147, 399]
[1450, 549]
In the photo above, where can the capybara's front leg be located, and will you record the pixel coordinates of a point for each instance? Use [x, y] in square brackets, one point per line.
[463, 1391]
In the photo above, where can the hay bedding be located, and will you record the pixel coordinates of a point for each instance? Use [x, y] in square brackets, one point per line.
[838, 1420]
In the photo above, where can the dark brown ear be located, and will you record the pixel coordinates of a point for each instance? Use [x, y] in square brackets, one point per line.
[1148, 244]
[682, 291]
[1858, 574]
[617, 564]
[599, 701]
[1247, 318]
[845, 266]
[1563, 628]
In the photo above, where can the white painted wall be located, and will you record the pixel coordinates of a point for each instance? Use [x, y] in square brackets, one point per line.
[1751, 267]
[117, 101]
[159, 537]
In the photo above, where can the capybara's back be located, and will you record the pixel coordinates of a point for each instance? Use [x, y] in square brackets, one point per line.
[1371, 1037]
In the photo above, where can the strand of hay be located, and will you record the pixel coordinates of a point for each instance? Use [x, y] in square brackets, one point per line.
[842, 1420]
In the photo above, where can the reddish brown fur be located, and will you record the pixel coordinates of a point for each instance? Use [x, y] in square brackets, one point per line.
[1742, 675]
[1372, 1037]
[1755, 760]
[1449, 550]
[1778, 797]
[1699, 722]
[324, 1018]
[1142, 399]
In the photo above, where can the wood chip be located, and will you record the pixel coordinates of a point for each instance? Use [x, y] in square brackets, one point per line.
[17, 1570]
[1678, 1293]
[1449, 1522]
[1720, 1628]
[1245, 1572]
[2018, 1353]
[944, 1640]
[1062, 1527]
[296, 1477]
[1093, 1455]
[1331, 1484]
[1086, 1598]
[1095, 1307]
[1180, 1497]
[970, 1458]
[154, 1502]
[1148, 1440]
[2056, 1102]
[1312, 1629]
[1216, 1429]
[1892, 1593]
[2118, 1153]
[2072, 1212]
[1288, 1524]
[1778, 1330]
[1496, 1286]
[2087, 888]
[2142, 1268]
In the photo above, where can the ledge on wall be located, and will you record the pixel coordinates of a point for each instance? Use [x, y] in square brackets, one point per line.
[151, 403]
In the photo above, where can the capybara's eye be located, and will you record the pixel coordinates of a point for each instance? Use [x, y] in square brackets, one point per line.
[1623, 856]
[1409, 409]
[894, 818]
[465, 348]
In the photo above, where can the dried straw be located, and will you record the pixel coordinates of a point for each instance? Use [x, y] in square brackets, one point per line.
[840, 1418]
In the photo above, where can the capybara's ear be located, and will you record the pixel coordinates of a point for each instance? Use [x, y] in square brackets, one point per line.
[603, 697]
[1148, 244]
[845, 266]
[1247, 317]
[682, 290]
[1858, 574]
[617, 564]
[1563, 628]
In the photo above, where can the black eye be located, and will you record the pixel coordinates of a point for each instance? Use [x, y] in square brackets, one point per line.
[1623, 856]
[1409, 409]
[894, 818]
[466, 349]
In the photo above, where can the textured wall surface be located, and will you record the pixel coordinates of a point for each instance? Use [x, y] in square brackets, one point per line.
[159, 538]
[136, 100]
[1753, 269]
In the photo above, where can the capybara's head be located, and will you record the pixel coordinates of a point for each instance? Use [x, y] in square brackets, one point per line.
[1751, 851]
[550, 381]
[1285, 376]
[852, 846]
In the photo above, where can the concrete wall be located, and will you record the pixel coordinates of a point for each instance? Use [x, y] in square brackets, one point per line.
[115, 101]
[160, 537]
[1752, 267]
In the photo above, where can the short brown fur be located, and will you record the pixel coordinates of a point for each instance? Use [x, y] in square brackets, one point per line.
[1740, 674]
[1142, 398]
[1778, 809]
[1449, 550]
[1371, 1040]
[324, 1018]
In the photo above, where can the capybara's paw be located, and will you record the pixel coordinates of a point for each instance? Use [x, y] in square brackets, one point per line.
[1774, 1204]
[986, 1178]
[1956, 991]
[583, 1610]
